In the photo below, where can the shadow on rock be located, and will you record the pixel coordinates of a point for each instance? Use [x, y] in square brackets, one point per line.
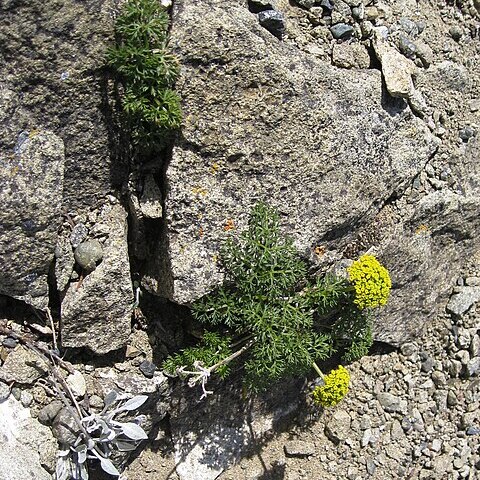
[212, 434]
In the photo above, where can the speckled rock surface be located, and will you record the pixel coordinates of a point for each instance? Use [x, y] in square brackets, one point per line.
[70, 96]
[96, 312]
[31, 197]
[268, 129]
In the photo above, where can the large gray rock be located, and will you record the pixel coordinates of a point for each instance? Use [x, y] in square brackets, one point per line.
[26, 447]
[31, 197]
[265, 121]
[463, 299]
[424, 247]
[97, 313]
[53, 51]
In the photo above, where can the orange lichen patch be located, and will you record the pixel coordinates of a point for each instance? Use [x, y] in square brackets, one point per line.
[201, 233]
[229, 225]
[422, 229]
[319, 250]
[199, 191]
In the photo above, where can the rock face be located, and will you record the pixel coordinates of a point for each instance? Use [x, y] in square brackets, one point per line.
[265, 121]
[211, 435]
[96, 313]
[31, 199]
[26, 445]
[69, 97]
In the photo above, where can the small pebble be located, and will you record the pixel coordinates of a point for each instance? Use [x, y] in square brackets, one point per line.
[305, 3]
[406, 46]
[456, 33]
[371, 467]
[272, 21]
[78, 235]
[327, 5]
[96, 402]
[26, 398]
[88, 254]
[300, 449]
[77, 384]
[436, 445]
[4, 391]
[47, 414]
[65, 428]
[473, 431]
[341, 30]
[466, 133]
[10, 342]
[358, 12]
[427, 364]
[148, 368]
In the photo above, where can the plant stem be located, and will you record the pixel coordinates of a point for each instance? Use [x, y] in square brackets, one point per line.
[317, 369]
[241, 340]
[231, 357]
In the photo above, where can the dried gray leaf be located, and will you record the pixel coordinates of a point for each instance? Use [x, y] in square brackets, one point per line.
[110, 398]
[133, 403]
[125, 446]
[109, 467]
[134, 431]
[83, 471]
[63, 467]
[63, 453]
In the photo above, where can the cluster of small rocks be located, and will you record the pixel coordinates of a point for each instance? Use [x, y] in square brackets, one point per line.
[412, 413]
[23, 379]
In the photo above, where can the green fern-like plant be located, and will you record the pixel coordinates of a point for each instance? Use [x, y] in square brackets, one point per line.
[281, 321]
[352, 332]
[148, 70]
[212, 350]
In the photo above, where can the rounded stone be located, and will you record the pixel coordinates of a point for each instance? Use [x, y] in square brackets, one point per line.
[88, 254]
[96, 402]
[406, 46]
[76, 382]
[466, 133]
[473, 430]
[10, 342]
[48, 413]
[65, 428]
[341, 30]
[26, 398]
[456, 33]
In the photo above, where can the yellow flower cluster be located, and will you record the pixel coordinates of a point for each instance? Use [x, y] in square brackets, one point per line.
[371, 282]
[335, 388]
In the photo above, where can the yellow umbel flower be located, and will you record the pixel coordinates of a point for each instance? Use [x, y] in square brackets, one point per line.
[335, 388]
[371, 282]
